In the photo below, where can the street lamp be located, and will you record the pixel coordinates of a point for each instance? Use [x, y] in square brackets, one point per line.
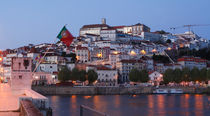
[143, 52]
[133, 53]
[99, 55]
[169, 48]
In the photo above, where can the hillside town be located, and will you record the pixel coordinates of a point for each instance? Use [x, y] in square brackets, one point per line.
[113, 52]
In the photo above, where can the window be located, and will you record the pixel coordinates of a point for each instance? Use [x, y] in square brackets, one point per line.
[20, 76]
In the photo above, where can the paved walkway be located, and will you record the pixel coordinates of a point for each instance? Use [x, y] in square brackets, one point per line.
[8, 101]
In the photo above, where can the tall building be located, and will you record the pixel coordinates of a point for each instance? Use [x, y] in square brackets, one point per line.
[21, 73]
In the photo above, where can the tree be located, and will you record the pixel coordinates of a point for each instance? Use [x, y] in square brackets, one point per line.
[92, 76]
[82, 75]
[160, 58]
[167, 76]
[75, 75]
[177, 74]
[185, 74]
[144, 77]
[64, 74]
[134, 75]
[208, 74]
[194, 74]
[168, 41]
[203, 74]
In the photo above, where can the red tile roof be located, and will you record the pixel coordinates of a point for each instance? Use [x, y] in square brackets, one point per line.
[95, 25]
[192, 59]
[118, 27]
[81, 48]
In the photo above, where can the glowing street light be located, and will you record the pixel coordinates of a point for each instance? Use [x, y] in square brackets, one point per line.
[133, 53]
[169, 48]
[143, 52]
[154, 50]
[115, 52]
[99, 55]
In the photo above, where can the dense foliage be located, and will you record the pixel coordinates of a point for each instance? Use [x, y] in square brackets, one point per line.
[136, 75]
[186, 75]
[92, 76]
[160, 58]
[203, 53]
[64, 74]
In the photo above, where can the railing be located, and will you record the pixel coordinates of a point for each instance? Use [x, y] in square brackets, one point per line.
[87, 111]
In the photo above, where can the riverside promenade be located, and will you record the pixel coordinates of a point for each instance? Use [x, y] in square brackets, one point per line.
[9, 103]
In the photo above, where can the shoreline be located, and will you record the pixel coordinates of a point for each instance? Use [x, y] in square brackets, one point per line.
[66, 90]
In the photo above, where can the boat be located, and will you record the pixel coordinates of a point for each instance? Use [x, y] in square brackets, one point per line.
[161, 91]
[176, 91]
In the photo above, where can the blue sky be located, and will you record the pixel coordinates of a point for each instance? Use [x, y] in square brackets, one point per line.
[39, 21]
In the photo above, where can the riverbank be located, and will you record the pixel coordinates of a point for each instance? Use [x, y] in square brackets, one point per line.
[66, 90]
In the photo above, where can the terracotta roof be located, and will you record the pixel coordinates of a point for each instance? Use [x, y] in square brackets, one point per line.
[150, 72]
[81, 48]
[193, 59]
[95, 25]
[118, 27]
[103, 68]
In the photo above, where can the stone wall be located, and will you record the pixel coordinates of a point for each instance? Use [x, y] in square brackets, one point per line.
[65, 90]
[28, 109]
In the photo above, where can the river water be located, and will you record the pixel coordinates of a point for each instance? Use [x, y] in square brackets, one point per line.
[137, 105]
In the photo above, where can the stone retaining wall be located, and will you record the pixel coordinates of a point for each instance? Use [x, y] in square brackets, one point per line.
[28, 109]
[65, 90]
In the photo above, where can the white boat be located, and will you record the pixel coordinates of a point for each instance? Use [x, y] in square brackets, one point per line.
[176, 91]
[161, 91]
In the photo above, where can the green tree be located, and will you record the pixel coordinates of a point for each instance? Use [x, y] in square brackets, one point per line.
[203, 74]
[208, 74]
[168, 41]
[144, 77]
[194, 74]
[185, 74]
[64, 74]
[168, 76]
[177, 74]
[82, 75]
[134, 75]
[75, 74]
[92, 76]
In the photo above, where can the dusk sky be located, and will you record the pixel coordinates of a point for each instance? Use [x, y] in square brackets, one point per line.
[39, 21]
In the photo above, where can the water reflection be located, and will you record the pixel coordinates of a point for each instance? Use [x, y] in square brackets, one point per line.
[199, 105]
[144, 105]
[161, 105]
[73, 100]
[151, 105]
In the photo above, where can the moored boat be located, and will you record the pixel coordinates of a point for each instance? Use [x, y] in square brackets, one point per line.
[176, 91]
[161, 91]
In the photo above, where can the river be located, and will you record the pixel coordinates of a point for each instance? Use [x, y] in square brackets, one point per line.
[137, 105]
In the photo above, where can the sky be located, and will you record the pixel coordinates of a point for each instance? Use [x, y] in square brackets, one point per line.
[24, 22]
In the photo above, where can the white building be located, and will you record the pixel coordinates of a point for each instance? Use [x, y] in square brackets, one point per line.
[108, 34]
[47, 67]
[107, 77]
[155, 77]
[125, 66]
[92, 29]
[21, 75]
[44, 78]
[191, 62]
[82, 54]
